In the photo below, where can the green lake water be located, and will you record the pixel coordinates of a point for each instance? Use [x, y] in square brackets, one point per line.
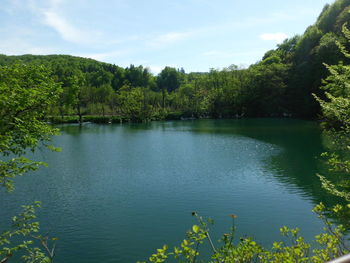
[117, 192]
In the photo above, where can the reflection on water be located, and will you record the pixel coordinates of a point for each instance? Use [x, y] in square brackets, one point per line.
[116, 192]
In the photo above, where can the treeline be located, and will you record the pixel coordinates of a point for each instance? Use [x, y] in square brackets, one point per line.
[281, 84]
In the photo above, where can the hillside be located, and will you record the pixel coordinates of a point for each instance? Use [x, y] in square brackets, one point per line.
[281, 84]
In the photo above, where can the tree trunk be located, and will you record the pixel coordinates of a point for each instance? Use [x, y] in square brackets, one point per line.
[79, 114]
[62, 115]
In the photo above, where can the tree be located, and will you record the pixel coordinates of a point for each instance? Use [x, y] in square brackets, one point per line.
[103, 95]
[26, 94]
[68, 79]
[138, 76]
[264, 94]
[169, 79]
[336, 110]
[81, 94]
[133, 104]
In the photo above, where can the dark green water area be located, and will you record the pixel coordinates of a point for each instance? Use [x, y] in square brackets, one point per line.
[117, 192]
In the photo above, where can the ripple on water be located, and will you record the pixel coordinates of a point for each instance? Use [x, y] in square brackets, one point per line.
[116, 192]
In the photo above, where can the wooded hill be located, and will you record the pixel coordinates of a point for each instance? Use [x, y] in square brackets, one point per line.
[281, 84]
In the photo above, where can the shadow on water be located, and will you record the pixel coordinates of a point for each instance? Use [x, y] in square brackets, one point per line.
[115, 186]
[297, 163]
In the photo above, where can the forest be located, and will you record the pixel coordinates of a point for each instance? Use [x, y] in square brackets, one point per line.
[281, 84]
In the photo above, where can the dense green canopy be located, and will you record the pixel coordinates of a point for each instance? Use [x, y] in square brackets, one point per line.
[281, 84]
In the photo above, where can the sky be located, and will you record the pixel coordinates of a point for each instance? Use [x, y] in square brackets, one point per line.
[194, 34]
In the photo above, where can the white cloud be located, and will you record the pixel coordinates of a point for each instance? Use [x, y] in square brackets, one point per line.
[67, 31]
[105, 56]
[169, 38]
[16, 46]
[52, 15]
[277, 37]
[175, 37]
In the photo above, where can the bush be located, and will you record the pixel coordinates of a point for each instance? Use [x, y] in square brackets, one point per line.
[330, 245]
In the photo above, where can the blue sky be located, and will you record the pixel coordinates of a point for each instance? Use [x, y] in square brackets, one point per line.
[193, 34]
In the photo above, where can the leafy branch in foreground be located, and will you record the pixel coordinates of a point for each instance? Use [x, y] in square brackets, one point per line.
[22, 236]
[26, 94]
[336, 111]
[330, 244]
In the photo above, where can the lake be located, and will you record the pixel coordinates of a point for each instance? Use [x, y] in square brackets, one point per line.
[117, 192]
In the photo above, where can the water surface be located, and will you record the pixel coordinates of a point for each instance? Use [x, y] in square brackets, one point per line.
[117, 192]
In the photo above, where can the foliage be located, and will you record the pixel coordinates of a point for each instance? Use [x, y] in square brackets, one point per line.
[336, 110]
[23, 235]
[26, 93]
[133, 103]
[281, 84]
[330, 245]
